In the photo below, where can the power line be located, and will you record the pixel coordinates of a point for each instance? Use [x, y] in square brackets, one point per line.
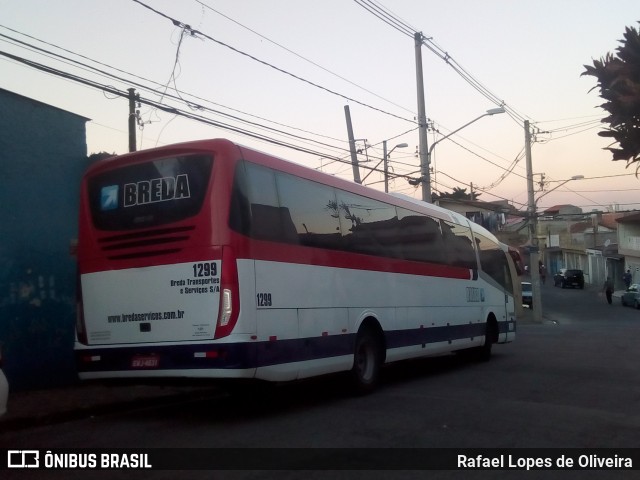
[609, 190]
[164, 94]
[367, 146]
[570, 134]
[403, 27]
[311, 62]
[200, 99]
[275, 131]
[480, 189]
[160, 106]
[386, 17]
[187, 29]
[509, 171]
[180, 24]
[176, 111]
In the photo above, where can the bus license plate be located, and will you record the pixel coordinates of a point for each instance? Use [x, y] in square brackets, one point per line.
[145, 361]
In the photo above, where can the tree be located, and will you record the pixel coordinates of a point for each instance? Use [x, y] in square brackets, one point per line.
[95, 157]
[619, 82]
[457, 194]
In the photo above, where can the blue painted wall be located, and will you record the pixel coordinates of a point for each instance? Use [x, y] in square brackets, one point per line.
[43, 153]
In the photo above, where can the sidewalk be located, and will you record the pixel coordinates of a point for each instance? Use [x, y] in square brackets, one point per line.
[31, 408]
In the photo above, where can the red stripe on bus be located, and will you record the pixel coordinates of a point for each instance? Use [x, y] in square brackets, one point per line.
[286, 253]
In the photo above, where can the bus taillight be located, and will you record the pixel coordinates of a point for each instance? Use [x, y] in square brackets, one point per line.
[226, 311]
[229, 301]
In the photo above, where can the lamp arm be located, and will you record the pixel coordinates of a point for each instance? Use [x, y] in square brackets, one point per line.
[378, 164]
[549, 191]
[454, 132]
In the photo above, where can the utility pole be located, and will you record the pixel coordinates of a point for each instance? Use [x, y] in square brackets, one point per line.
[386, 166]
[422, 123]
[352, 146]
[132, 119]
[534, 254]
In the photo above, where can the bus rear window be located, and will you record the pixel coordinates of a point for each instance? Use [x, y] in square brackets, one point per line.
[149, 194]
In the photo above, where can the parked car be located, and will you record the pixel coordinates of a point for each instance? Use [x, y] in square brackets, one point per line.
[569, 277]
[4, 389]
[527, 294]
[632, 296]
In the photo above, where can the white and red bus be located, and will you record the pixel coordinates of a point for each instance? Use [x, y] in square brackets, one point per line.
[209, 259]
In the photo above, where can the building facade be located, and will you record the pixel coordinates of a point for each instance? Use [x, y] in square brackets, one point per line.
[43, 153]
[629, 243]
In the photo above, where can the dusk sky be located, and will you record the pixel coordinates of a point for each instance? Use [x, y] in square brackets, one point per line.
[283, 70]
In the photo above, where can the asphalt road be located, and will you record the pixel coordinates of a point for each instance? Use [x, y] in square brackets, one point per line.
[571, 382]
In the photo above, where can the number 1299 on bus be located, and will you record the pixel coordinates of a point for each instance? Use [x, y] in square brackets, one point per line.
[209, 269]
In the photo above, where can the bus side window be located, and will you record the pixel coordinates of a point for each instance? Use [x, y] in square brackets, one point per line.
[494, 262]
[368, 226]
[240, 211]
[255, 210]
[459, 242]
[272, 223]
[420, 238]
[310, 211]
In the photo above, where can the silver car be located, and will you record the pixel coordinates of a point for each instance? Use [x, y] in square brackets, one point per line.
[632, 296]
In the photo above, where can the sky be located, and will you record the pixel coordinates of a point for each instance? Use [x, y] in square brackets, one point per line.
[265, 71]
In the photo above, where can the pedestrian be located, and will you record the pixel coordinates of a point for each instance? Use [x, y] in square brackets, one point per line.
[607, 288]
[627, 279]
[543, 273]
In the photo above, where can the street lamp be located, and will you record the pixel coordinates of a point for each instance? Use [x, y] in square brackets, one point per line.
[385, 157]
[426, 180]
[535, 254]
[575, 177]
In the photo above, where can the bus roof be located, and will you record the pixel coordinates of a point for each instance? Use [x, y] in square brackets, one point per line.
[280, 164]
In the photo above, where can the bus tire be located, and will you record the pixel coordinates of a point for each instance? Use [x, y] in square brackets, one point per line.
[367, 361]
[483, 353]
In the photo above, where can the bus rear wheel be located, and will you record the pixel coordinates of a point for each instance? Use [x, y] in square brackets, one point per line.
[483, 353]
[367, 361]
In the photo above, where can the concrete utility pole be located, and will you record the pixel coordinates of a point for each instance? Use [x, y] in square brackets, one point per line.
[385, 159]
[132, 119]
[352, 146]
[423, 148]
[534, 254]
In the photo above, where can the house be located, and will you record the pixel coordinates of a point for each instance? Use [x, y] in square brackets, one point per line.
[562, 211]
[629, 243]
[491, 215]
[43, 153]
[571, 238]
[599, 243]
